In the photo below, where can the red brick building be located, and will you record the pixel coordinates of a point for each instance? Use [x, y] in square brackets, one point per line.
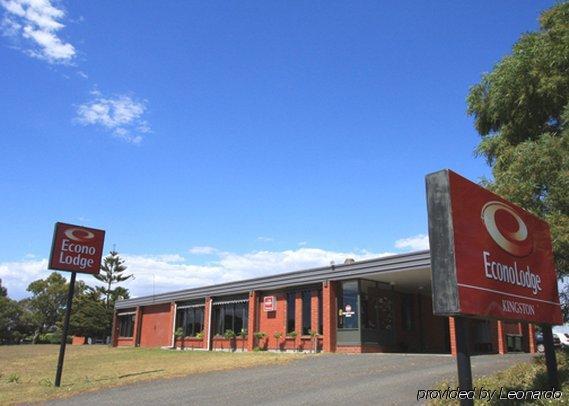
[378, 305]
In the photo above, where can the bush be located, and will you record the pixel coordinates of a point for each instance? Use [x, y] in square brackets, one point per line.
[229, 334]
[523, 376]
[13, 378]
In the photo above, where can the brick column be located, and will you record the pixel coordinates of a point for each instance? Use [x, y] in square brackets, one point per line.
[173, 323]
[329, 316]
[252, 320]
[115, 330]
[314, 315]
[531, 338]
[314, 310]
[298, 318]
[206, 327]
[452, 336]
[137, 326]
[501, 342]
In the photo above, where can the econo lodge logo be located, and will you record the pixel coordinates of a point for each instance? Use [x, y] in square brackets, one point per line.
[507, 229]
[79, 234]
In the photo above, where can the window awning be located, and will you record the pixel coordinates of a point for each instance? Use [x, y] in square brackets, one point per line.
[191, 306]
[126, 313]
[224, 302]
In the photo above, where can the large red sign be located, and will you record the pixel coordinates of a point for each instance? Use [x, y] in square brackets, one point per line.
[76, 249]
[491, 258]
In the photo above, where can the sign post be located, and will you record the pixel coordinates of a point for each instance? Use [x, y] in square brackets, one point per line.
[63, 342]
[75, 249]
[489, 259]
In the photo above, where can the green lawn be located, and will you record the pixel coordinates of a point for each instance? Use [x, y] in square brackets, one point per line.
[27, 371]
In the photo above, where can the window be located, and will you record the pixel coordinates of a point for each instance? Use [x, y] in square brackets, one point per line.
[407, 319]
[348, 305]
[290, 311]
[190, 319]
[126, 325]
[230, 316]
[368, 303]
[306, 313]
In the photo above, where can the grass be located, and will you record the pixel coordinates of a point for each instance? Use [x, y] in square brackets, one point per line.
[27, 371]
[523, 376]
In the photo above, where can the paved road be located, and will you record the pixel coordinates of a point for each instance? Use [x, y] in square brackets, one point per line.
[333, 379]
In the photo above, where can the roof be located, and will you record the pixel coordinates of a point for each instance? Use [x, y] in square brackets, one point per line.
[392, 263]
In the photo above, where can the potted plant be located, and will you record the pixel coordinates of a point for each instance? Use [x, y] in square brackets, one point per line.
[243, 336]
[260, 335]
[200, 335]
[179, 334]
[230, 335]
[292, 334]
[278, 336]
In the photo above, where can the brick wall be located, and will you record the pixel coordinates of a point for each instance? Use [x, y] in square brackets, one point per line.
[156, 328]
[329, 316]
[274, 321]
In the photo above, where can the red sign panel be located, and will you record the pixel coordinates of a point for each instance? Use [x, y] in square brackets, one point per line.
[76, 249]
[501, 255]
[269, 303]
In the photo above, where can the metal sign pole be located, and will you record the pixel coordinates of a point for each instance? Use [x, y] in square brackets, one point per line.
[550, 359]
[65, 330]
[463, 358]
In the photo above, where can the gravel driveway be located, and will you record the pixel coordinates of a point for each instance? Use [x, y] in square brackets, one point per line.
[332, 379]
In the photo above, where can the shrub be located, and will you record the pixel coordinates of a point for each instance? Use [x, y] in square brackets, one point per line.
[179, 333]
[259, 335]
[229, 334]
[13, 378]
[200, 335]
[523, 376]
[292, 334]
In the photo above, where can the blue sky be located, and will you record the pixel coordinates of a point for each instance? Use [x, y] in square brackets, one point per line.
[215, 141]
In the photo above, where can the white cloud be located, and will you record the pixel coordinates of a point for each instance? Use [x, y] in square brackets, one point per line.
[415, 243]
[202, 250]
[162, 273]
[121, 115]
[37, 22]
[265, 239]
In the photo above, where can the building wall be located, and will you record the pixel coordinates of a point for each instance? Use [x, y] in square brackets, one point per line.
[429, 333]
[153, 327]
[156, 328]
[273, 322]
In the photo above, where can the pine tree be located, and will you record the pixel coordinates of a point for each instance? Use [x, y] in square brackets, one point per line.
[111, 274]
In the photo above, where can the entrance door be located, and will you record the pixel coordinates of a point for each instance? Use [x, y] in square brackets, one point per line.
[377, 314]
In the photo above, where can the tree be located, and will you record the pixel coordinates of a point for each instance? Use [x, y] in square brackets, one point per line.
[112, 273]
[9, 315]
[3, 290]
[90, 316]
[48, 301]
[521, 110]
